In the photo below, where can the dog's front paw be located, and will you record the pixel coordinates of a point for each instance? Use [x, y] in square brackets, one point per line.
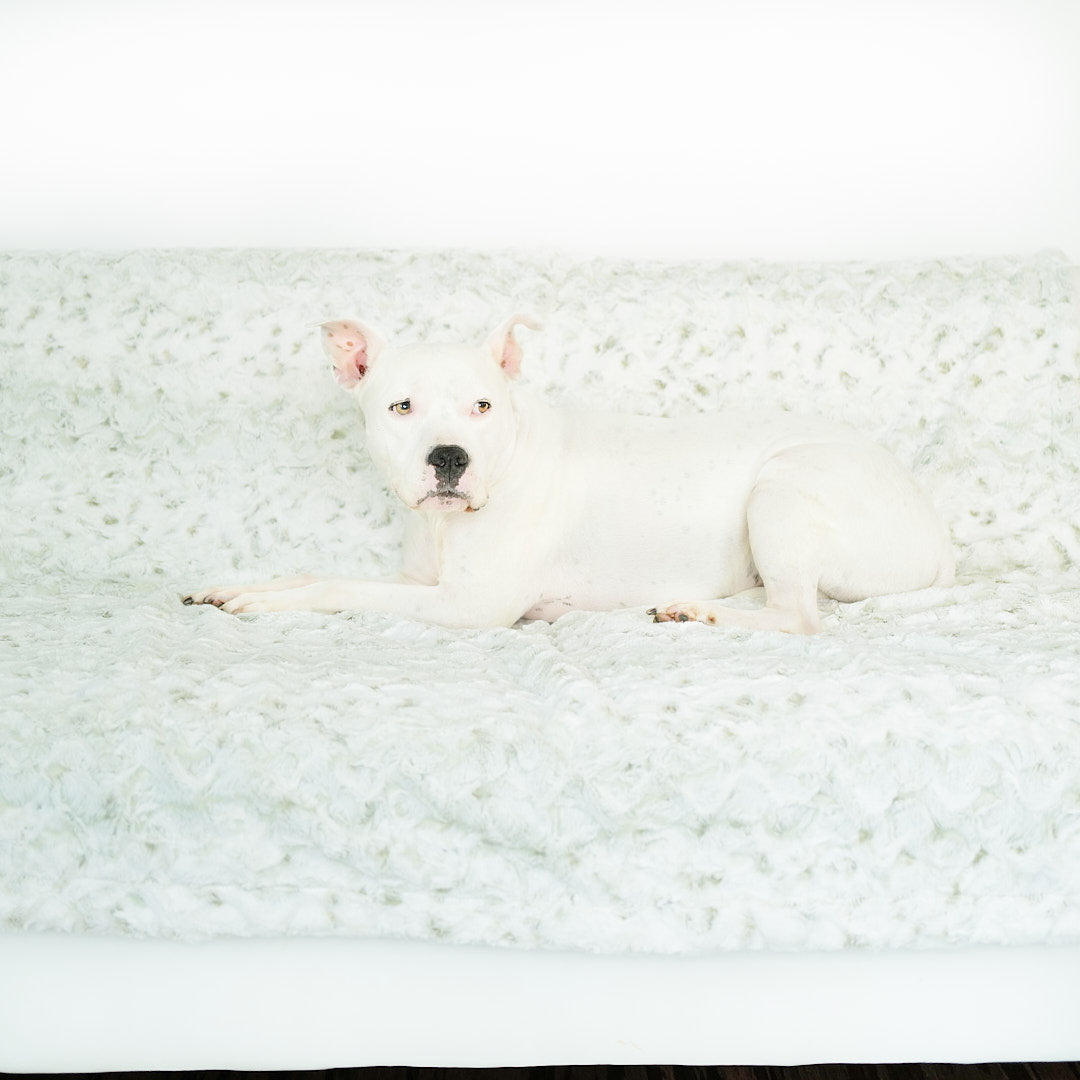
[218, 596]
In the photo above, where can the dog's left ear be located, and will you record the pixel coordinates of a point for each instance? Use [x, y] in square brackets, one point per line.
[352, 347]
[504, 346]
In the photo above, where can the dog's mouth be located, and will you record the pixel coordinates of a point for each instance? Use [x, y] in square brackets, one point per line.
[446, 499]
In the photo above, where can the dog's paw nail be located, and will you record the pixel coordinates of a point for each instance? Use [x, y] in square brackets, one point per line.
[187, 600]
[683, 617]
[651, 611]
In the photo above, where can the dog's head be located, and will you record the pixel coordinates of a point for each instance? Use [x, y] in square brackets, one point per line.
[440, 418]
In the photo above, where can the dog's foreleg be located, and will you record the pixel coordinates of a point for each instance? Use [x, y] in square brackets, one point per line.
[218, 595]
[440, 604]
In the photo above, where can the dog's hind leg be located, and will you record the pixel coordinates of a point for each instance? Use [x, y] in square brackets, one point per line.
[846, 521]
[789, 606]
[790, 531]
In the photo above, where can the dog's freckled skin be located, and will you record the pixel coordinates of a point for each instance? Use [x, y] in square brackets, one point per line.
[607, 511]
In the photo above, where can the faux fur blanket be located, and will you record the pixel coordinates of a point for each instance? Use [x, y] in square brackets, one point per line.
[909, 777]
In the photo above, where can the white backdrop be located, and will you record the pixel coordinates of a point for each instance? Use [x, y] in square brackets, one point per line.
[778, 129]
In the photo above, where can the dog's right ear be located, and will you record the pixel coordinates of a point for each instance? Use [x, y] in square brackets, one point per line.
[352, 347]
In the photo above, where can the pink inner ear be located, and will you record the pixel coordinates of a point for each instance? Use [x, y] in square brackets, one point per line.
[512, 354]
[352, 371]
[348, 350]
[504, 346]
[359, 358]
[351, 347]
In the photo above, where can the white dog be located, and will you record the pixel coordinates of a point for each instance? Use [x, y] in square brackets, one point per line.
[521, 509]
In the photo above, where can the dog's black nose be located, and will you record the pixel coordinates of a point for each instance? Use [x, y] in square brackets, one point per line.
[450, 462]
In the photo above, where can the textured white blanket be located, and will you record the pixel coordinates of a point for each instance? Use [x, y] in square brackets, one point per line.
[909, 777]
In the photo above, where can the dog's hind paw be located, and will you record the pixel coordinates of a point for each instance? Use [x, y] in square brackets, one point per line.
[680, 613]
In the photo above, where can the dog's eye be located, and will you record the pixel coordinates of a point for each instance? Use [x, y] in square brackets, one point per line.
[401, 407]
[482, 406]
